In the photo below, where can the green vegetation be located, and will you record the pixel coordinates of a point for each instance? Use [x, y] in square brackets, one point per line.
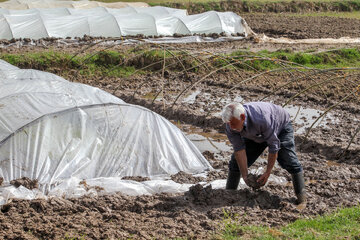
[102, 63]
[343, 224]
[265, 60]
[121, 64]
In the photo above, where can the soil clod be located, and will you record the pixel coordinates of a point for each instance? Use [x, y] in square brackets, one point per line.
[136, 178]
[26, 182]
[200, 195]
[252, 181]
[182, 177]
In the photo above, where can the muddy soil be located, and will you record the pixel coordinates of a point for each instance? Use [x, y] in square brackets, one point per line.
[331, 181]
[196, 214]
[268, 6]
[274, 25]
[182, 177]
[252, 181]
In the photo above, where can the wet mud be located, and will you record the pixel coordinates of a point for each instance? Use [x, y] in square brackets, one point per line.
[331, 181]
[197, 213]
[252, 181]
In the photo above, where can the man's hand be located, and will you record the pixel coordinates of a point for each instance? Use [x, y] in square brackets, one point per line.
[263, 178]
[246, 180]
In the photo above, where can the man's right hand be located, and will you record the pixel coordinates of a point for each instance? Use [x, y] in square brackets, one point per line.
[246, 180]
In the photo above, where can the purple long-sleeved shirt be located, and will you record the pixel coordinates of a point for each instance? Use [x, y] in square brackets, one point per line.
[263, 123]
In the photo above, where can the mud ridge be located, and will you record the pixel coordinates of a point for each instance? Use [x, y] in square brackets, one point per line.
[196, 214]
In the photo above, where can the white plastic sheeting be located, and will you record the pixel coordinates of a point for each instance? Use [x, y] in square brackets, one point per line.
[29, 4]
[109, 22]
[56, 131]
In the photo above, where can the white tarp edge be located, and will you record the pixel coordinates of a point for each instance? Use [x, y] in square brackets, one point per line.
[75, 187]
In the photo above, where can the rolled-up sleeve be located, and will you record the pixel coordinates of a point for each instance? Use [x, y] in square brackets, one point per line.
[235, 138]
[271, 138]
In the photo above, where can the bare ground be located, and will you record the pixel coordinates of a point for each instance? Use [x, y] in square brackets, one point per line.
[332, 182]
[298, 27]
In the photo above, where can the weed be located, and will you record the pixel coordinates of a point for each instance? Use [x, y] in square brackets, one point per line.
[342, 224]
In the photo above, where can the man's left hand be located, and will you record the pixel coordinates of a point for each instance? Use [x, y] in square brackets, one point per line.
[263, 178]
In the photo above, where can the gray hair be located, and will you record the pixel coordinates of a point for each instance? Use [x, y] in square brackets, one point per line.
[233, 109]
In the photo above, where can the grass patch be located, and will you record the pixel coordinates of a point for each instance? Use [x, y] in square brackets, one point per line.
[103, 63]
[122, 64]
[343, 224]
[266, 60]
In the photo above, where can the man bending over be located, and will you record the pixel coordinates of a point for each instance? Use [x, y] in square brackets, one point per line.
[251, 128]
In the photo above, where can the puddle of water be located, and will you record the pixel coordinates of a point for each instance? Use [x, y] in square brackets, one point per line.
[190, 129]
[305, 117]
[205, 141]
[301, 206]
[238, 99]
[226, 101]
[192, 97]
[151, 96]
[208, 144]
[332, 163]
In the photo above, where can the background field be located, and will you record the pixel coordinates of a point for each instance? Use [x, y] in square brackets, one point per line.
[313, 76]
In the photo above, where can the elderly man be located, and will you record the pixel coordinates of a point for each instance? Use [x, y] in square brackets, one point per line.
[251, 128]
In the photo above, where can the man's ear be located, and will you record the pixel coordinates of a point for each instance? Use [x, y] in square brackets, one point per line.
[242, 117]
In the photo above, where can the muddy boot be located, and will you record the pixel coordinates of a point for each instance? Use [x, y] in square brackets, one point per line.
[233, 180]
[299, 187]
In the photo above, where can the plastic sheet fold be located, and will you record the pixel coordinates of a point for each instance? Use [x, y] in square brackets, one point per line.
[109, 22]
[59, 132]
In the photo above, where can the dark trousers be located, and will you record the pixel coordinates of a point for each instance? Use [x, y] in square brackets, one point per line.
[287, 158]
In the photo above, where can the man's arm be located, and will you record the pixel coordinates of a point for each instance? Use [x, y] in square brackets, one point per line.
[271, 162]
[241, 160]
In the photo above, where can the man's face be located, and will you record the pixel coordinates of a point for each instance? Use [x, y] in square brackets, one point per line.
[237, 124]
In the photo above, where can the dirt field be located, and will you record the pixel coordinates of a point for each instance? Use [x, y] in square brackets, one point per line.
[303, 27]
[197, 214]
